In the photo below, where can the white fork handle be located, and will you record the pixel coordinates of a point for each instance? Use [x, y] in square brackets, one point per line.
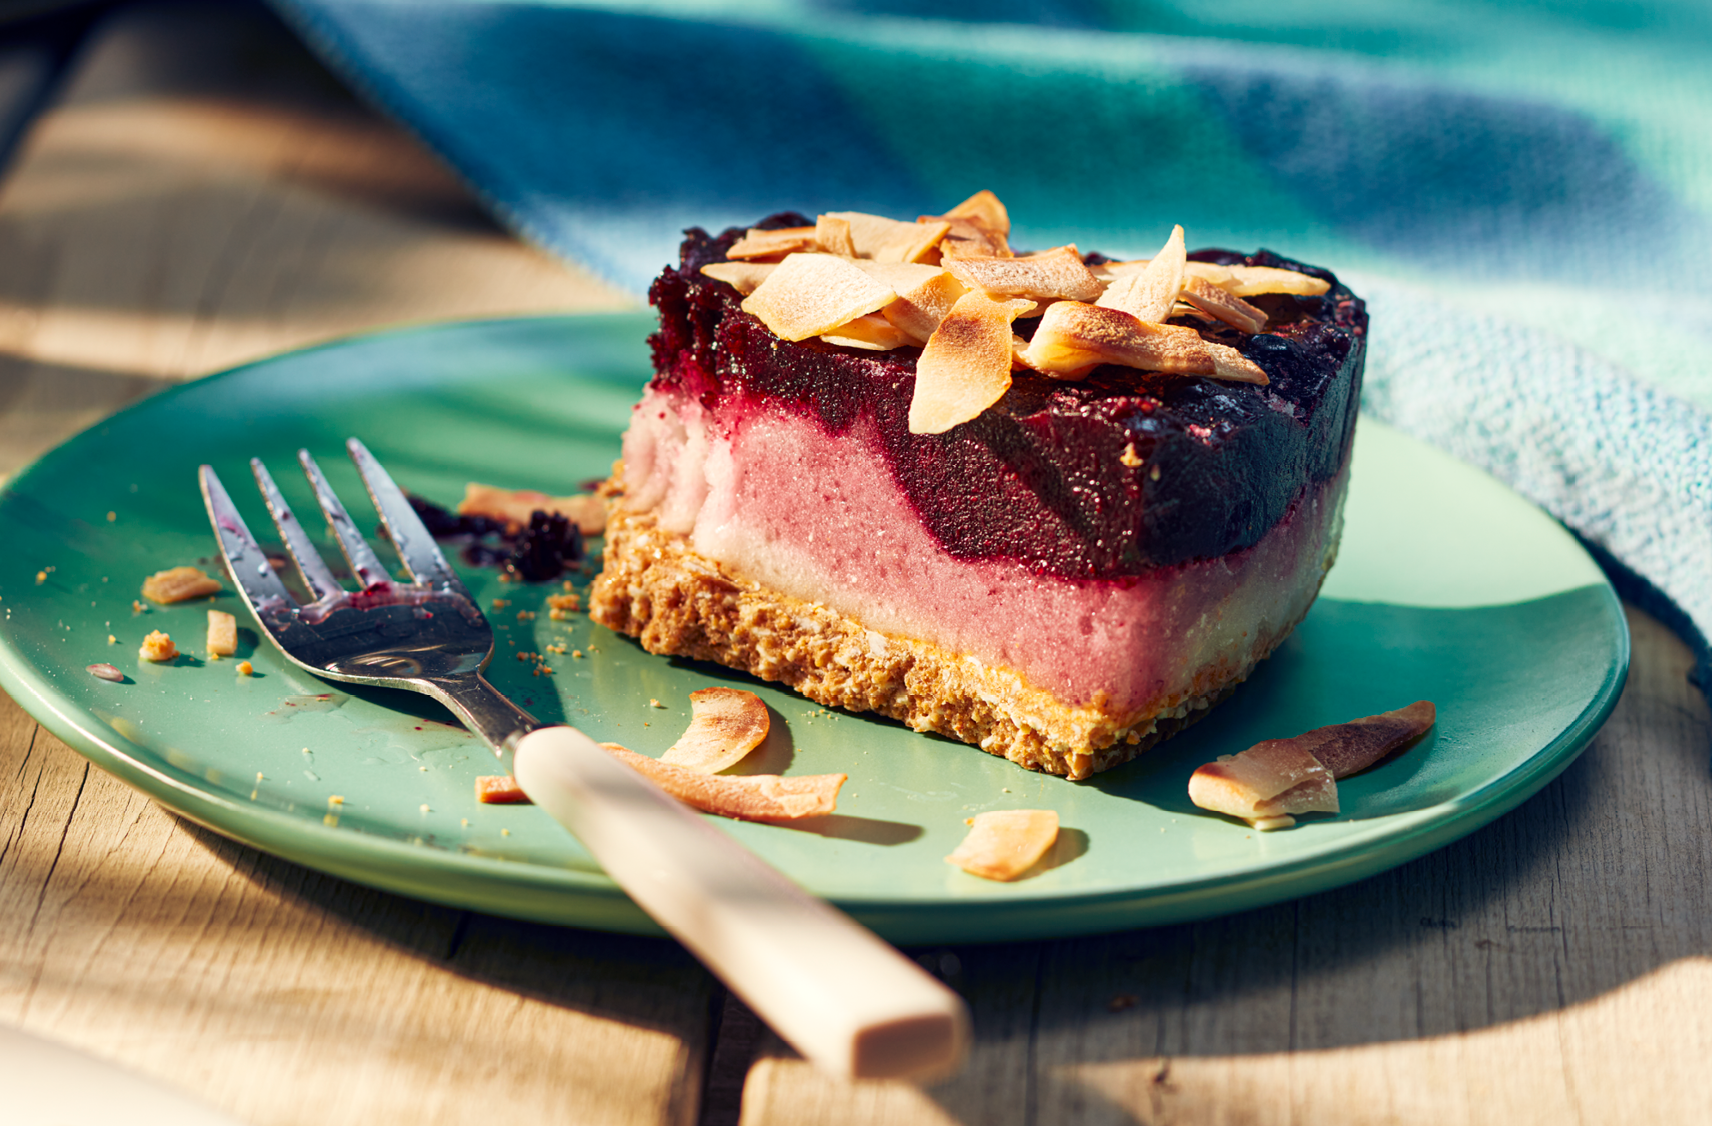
[850, 1003]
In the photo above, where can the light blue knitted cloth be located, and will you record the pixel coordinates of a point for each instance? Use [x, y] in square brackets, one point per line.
[1523, 193]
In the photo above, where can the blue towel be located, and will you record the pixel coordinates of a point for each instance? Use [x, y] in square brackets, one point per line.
[1523, 192]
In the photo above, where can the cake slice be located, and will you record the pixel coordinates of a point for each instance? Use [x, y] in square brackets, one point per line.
[1063, 574]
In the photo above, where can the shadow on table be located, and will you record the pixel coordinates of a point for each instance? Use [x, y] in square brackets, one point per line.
[1593, 884]
[650, 983]
[1554, 910]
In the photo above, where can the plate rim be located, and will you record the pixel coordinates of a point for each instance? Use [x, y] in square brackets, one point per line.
[525, 889]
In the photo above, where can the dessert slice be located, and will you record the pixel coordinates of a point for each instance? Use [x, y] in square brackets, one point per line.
[1057, 555]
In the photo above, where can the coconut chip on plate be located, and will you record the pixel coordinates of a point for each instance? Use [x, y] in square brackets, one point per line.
[1273, 780]
[1004, 844]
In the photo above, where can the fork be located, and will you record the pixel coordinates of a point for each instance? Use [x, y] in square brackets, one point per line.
[850, 1003]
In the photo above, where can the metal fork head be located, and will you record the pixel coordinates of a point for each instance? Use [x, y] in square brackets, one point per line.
[426, 634]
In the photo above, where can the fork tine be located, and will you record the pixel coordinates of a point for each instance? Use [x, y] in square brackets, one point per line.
[310, 565]
[245, 559]
[421, 555]
[365, 564]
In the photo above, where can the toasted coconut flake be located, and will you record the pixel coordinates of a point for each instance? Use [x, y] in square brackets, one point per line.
[1268, 780]
[1073, 335]
[1348, 748]
[774, 244]
[984, 208]
[1057, 357]
[924, 295]
[515, 506]
[744, 277]
[500, 789]
[222, 634]
[1209, 272]
[968, 239]
[966, 365]
[832, 234]
[1239, 281]
[752, 797]
[891, 240]
[1278, 777]
[1252, 281]
[870, 331]
[1206, 296]
[921, 305]
[980, 228]
[1049, 275]
[1231, 365]
[1109, 271]
[1005, 843]
[178, 584]
[1127, 294]
[814, 293]
[899, 277]
[1149, 295]
[725, 725]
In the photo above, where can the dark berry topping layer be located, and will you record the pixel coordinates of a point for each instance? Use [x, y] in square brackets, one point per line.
[1113, 475]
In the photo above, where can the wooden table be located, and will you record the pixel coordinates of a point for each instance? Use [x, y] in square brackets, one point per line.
[198, 194]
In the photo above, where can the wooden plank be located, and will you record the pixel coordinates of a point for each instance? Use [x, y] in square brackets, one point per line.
[203, 196]
[1551, 967]
[285, 996]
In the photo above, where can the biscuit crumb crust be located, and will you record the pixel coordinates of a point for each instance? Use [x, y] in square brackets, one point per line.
[656, 588]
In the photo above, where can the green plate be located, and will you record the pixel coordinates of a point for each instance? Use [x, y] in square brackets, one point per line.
[1449, 588]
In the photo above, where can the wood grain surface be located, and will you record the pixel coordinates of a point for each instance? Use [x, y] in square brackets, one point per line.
[202, 194]
[1553, 967]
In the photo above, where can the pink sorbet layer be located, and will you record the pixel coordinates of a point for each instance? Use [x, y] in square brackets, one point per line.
[819, 517]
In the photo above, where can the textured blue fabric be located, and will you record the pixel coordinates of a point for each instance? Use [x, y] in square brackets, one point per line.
[1524, 192]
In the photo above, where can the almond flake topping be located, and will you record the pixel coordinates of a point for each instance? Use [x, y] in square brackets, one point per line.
[814, 293]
